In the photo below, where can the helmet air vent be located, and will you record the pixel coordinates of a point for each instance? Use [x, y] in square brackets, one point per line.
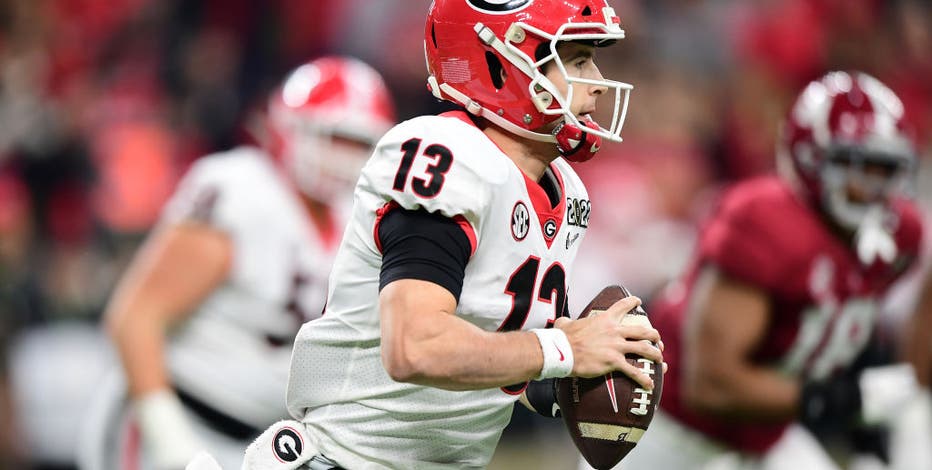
[495, 70]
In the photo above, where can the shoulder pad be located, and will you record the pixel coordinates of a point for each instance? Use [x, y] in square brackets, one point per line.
[214, 189]
[437, 163]
[758, 234]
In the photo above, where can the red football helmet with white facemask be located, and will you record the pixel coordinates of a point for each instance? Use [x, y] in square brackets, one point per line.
[488, 56]
[324, 119]
[846, 142]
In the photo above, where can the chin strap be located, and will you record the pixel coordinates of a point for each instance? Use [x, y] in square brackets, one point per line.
[574, 143]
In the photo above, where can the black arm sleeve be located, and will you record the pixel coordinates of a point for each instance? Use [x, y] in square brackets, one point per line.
[425, 246]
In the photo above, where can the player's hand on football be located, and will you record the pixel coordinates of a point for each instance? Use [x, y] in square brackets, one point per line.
[600, 343]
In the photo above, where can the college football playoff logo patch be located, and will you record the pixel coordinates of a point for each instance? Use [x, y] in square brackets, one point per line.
[498, 6]
[520, 221]
[287, 445]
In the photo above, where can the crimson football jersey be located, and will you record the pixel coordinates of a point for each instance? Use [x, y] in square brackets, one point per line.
[824, 302]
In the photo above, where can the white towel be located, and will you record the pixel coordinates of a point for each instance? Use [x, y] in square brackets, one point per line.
[283, 446]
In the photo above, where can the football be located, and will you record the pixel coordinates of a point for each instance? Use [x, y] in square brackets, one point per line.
[606, 416]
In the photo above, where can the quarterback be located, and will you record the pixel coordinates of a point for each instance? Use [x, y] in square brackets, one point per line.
[448, 293]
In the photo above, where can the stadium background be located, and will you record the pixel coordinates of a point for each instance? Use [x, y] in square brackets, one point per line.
[104, 104]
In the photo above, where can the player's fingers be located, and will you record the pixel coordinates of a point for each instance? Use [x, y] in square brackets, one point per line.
[632, 333]
[661, 345]
[623, 306]
[561, 322]
[645, 350]
[665, 367]
[636, 375]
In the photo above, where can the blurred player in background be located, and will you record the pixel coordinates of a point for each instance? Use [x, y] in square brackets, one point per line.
[204, 318]
[782, 294]
[910, 435]
[464, 231]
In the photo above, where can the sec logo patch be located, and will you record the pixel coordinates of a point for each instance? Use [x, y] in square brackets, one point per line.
[520, 221]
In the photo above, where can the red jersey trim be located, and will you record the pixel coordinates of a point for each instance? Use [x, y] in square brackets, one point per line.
[541, 203]
[469, 231]
[379, 214]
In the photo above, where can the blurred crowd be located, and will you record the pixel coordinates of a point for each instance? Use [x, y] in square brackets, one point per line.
[105, 103]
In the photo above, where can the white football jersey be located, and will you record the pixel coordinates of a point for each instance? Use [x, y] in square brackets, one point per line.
[515, 279]
[233, 353]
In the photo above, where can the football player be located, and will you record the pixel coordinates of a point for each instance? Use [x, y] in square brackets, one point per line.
[448, 292]
[911, 433]
[205, 316]
[782, 293]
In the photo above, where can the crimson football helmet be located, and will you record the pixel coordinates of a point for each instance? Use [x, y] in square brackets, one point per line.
[487, 55]
[324, 119]
[845, 134]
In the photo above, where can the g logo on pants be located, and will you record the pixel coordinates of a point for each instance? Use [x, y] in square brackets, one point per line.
[287, 445]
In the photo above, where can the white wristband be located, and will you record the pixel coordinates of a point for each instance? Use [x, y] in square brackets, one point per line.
[165, 429]
[558, 355]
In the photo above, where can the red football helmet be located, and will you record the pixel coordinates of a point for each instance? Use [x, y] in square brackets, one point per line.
[846, 142]
[324, 119]
[471, 44]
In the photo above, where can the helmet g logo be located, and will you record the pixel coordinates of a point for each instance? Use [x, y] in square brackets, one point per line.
[287, 445]
[498, 6]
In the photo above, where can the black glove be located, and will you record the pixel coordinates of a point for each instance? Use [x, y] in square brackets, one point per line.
[542, 395]
[832, 406]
